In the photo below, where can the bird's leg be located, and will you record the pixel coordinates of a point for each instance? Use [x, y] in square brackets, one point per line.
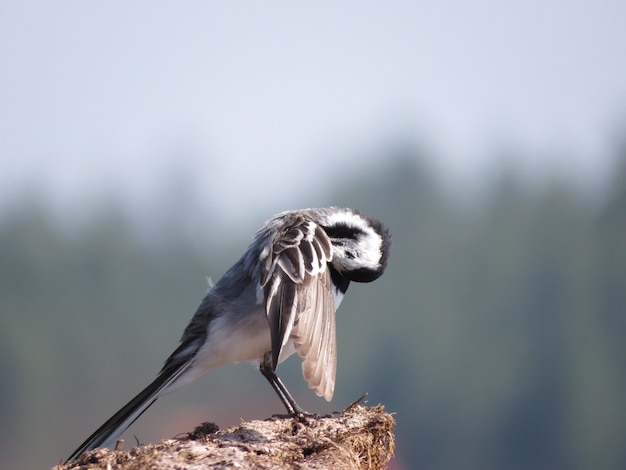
[293, 410]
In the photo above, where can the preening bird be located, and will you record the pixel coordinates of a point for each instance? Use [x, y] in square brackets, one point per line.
[279, 298]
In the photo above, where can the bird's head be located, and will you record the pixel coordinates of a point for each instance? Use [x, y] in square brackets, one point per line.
[360, 244]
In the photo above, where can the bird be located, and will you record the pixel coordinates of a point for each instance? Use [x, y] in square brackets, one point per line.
[278, 299]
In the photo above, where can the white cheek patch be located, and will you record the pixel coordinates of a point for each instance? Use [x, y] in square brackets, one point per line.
[370, 249]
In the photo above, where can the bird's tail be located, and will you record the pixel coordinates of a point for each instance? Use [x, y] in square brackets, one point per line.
[110, 431]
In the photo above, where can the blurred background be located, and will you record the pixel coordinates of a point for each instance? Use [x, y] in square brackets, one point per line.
[143, 143]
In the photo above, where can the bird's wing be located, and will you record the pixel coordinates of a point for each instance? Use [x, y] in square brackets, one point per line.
[299, 300]
[314, 337]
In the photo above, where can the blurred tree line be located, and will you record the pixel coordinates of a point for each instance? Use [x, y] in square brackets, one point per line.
[496, 335]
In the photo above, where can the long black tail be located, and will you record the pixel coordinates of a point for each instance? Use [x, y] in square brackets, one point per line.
[108, 433]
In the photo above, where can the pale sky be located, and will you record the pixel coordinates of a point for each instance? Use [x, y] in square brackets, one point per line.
[256, 100]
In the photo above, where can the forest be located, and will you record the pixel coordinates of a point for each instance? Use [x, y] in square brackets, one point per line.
[496, 336]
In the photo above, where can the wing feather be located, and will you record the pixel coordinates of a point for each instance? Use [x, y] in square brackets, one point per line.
[299, 300]
[314, 339]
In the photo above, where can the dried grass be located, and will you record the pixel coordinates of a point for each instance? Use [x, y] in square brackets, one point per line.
[361, 438]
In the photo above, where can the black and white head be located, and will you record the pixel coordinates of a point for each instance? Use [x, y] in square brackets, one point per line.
[360, 244]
